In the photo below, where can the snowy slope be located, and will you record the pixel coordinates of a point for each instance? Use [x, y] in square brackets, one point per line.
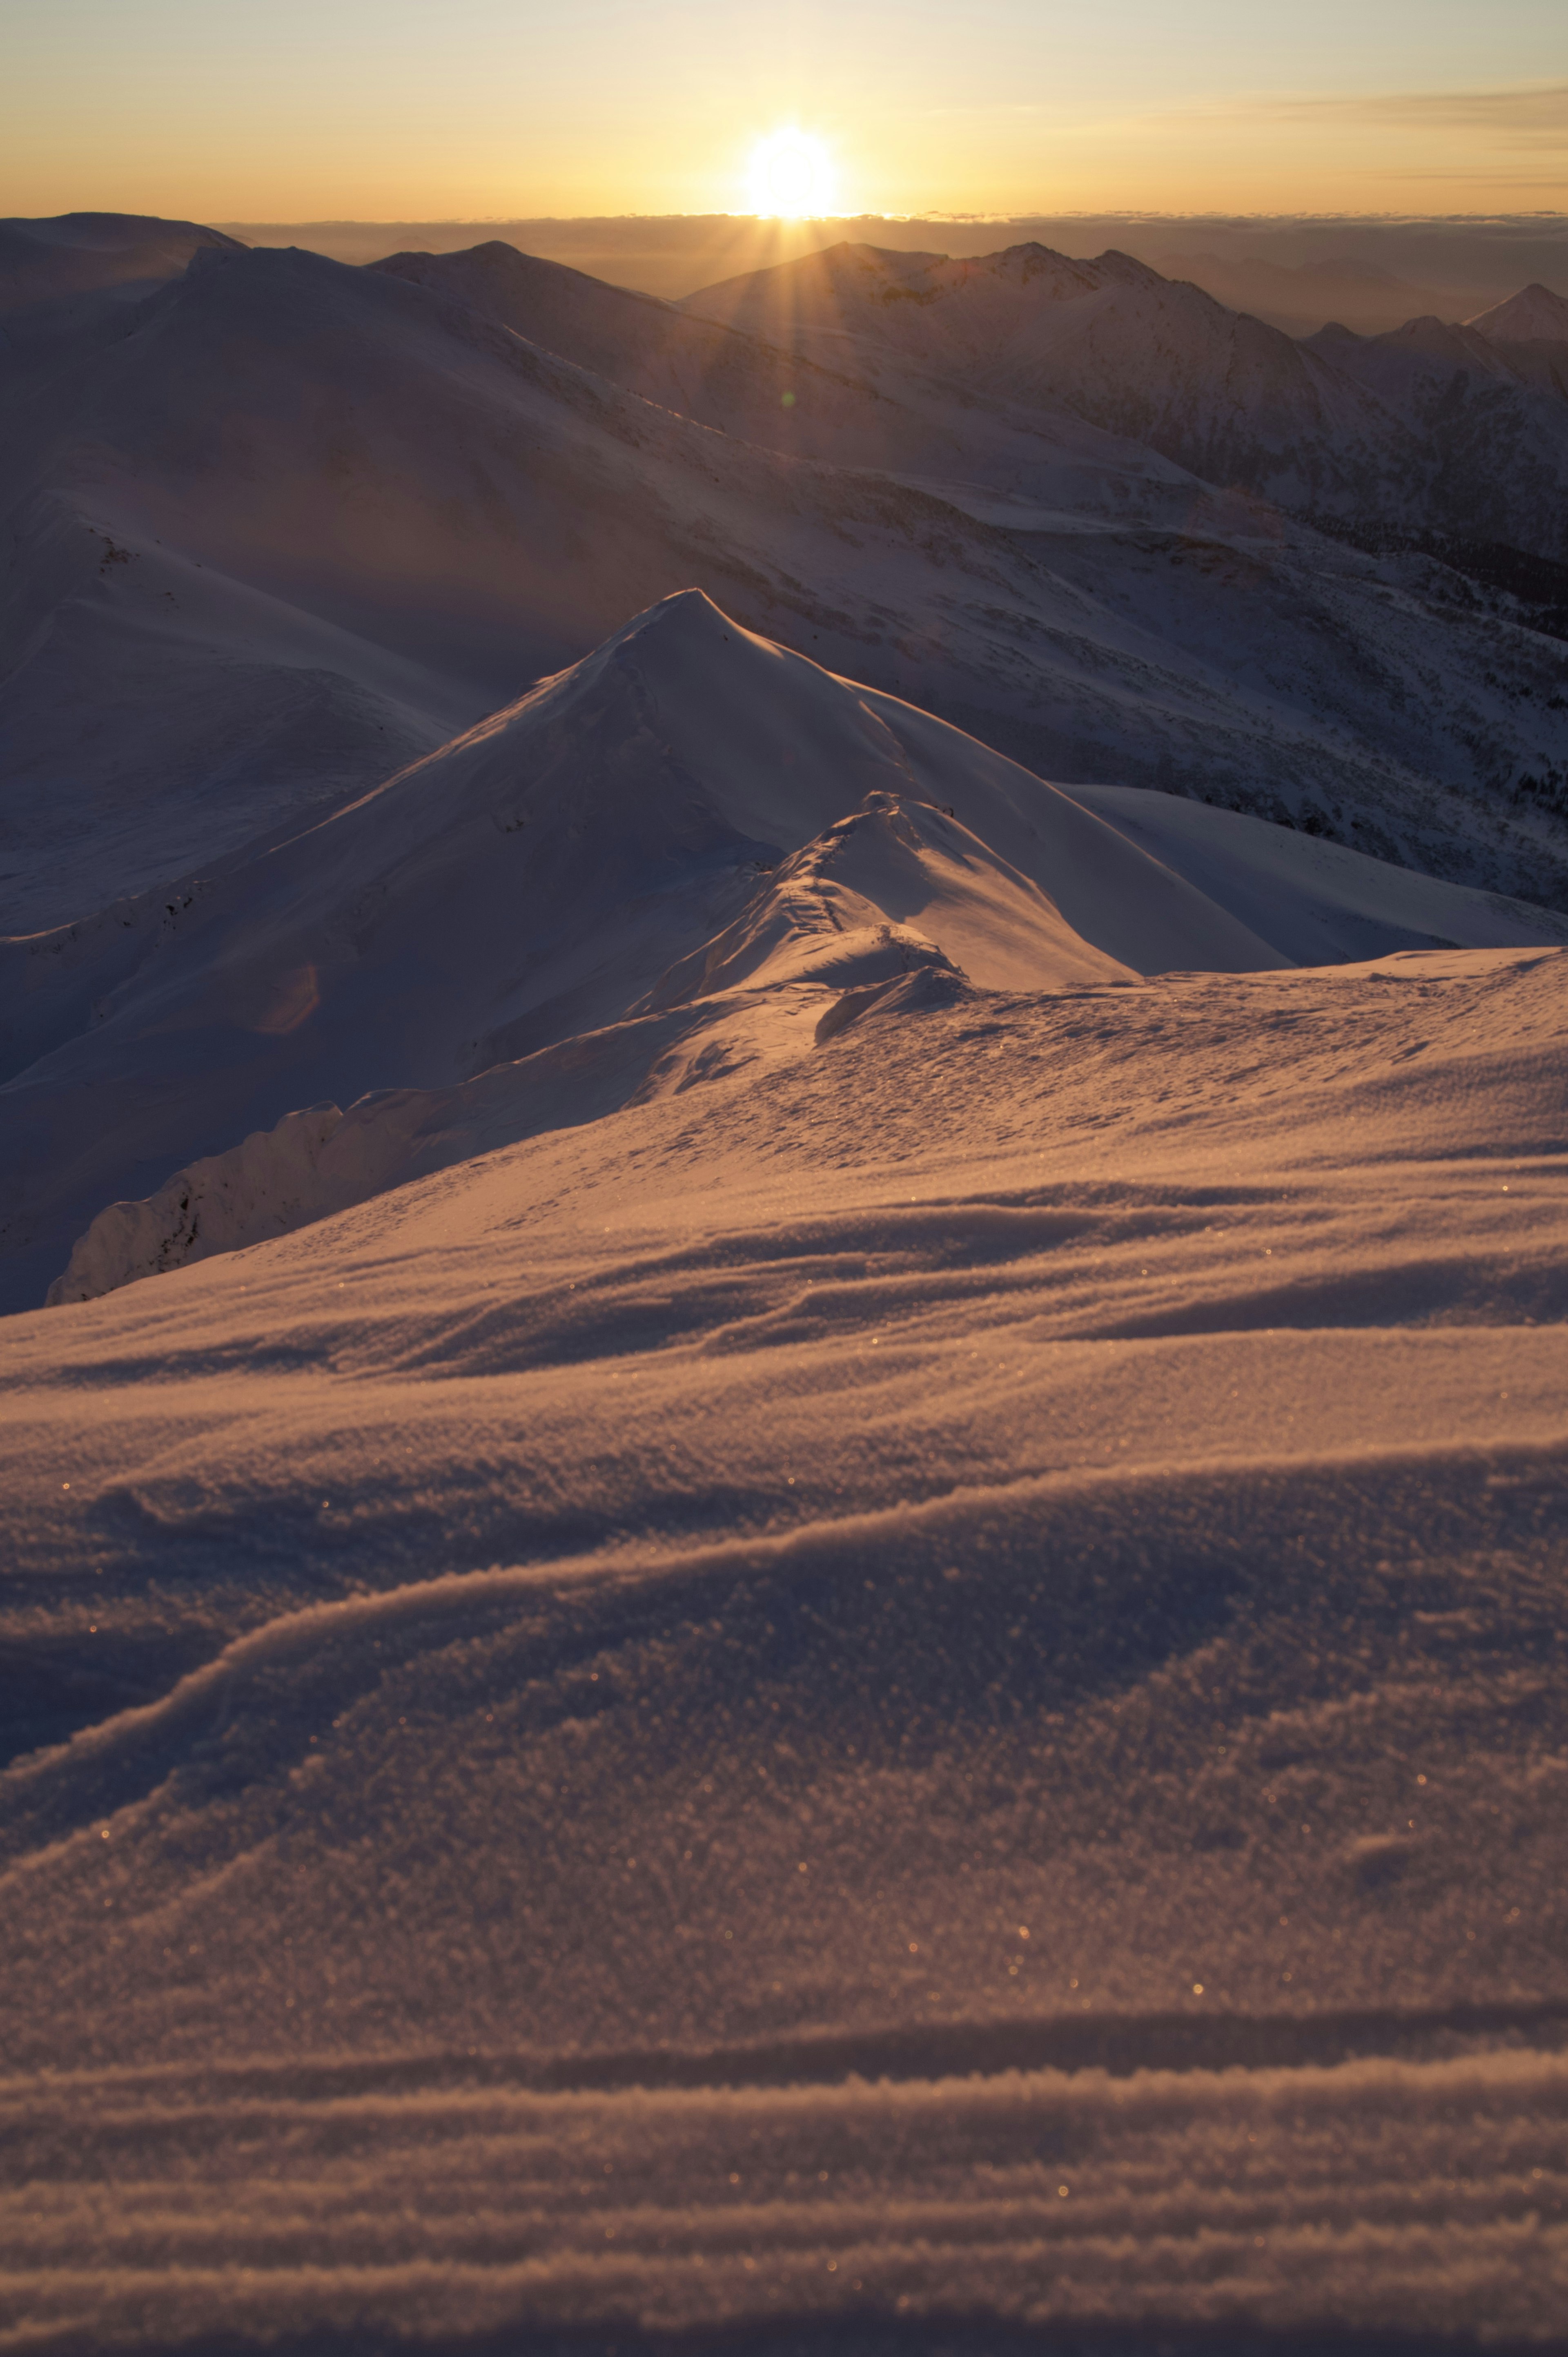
[46, 263]
[155, 708]
[919, 1680]
[1315, 901]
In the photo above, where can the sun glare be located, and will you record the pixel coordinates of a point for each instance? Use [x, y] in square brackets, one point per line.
[791, 176]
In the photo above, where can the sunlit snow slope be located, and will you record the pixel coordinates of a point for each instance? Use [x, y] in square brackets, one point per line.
[921, 1677]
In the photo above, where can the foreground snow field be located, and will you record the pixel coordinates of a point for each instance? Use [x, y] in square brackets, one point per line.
[772, 1680]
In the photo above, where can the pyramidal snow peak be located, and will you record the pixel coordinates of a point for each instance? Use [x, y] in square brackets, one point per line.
[1535, 315]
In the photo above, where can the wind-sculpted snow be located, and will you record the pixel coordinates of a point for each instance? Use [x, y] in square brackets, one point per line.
[923, 1681]
[863, 2220]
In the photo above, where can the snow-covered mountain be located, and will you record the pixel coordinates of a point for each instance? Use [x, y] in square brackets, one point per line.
[677, 856]
[46, 264]
[1535, 315]
[1491, 420]
[1220, 393]
[283, 525]
[534, 881]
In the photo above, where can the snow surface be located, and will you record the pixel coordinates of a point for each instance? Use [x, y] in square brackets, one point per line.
[771, 1679]
[47, 266]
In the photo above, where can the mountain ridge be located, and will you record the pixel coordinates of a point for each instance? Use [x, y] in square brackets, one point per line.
[691, 824]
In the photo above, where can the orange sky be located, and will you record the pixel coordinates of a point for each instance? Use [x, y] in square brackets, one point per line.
[479, 110]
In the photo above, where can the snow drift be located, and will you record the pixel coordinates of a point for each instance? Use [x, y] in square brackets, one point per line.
[923, 1675]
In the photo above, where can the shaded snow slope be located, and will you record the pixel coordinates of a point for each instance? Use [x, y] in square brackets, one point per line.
[729, 382]
[921, 1680]
[1316, 902]
[320, 1160]
[861, 412]
[45, 264]
[154, 709]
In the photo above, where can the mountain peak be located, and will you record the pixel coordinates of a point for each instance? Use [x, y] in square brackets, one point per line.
[687, 618]
[1535, 315]
[72, 254]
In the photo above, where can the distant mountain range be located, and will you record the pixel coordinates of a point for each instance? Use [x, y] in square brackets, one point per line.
[277, 524]
[1297, 272]
[1428, 425]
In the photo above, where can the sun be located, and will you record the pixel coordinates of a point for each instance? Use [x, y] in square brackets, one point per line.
[791, 176]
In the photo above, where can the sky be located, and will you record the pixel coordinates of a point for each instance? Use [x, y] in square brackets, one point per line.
[309, 110]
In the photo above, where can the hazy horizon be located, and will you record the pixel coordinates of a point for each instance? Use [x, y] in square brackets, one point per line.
[1366, 271]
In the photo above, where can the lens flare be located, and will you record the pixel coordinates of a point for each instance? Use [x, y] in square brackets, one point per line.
[791, 176]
